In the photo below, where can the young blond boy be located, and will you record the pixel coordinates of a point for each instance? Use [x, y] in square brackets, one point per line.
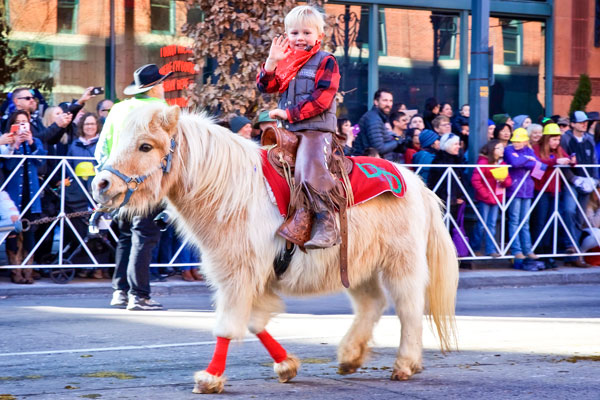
[307, 79]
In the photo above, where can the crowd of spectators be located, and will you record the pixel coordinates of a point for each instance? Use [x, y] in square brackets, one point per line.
[515, 169]
[32, 127]
[438, 136]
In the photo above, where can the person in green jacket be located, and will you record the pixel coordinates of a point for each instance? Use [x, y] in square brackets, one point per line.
[139, 235]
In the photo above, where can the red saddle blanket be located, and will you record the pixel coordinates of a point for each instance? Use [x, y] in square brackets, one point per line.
[369, 178]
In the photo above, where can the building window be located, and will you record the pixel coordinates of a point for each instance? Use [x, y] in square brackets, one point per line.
[162, 13]
[362, 38]
[512, 38]
[66, 16]
[448, 38]
[194, 15]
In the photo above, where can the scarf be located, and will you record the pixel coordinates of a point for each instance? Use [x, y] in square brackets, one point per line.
[288, 68]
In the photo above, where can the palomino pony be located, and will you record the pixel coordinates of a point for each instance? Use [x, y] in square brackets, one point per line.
[216, 189]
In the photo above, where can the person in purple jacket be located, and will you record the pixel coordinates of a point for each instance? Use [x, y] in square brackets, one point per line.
[523, 164]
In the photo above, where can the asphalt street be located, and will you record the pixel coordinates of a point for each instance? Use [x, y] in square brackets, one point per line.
[525, 343]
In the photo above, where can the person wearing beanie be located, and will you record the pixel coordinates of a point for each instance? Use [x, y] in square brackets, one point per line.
[521, 121]
[242, 126]
[500, 119]
[430, 144]
[549, 152]
[451, 195]
[491, 128]
[524, 165]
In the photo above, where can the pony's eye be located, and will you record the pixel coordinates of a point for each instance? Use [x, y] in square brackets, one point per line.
[145, 147]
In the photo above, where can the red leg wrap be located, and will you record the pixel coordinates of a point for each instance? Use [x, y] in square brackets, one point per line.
[273, 347]
[217, 365]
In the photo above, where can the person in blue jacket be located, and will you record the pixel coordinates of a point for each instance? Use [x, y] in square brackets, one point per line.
[524, 164]
[22, 186]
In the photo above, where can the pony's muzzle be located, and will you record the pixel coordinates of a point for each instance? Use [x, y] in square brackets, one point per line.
[101, 186]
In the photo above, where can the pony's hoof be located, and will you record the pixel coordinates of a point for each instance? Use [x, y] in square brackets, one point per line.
[287, 369]
[399, 375]
[347, 368]
[405, 373]
[207, 383]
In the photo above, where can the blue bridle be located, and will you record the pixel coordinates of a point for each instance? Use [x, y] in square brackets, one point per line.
[133, 182]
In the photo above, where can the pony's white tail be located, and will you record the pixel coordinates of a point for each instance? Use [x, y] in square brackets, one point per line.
[443, 274]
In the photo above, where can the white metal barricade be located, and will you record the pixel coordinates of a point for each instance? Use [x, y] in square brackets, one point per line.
[62, 221]
[556, 225]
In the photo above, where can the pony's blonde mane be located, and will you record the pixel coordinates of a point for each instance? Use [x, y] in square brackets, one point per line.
[222, 170]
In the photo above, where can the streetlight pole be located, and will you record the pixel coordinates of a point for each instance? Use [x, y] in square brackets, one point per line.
[112, 55]
[479, 89]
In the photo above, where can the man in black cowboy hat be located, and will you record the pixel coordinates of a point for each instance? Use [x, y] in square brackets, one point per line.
[139, 235]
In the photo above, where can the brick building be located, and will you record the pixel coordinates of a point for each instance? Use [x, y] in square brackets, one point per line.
[70, 40]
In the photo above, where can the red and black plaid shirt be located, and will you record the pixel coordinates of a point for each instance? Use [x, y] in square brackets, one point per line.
[327, 82]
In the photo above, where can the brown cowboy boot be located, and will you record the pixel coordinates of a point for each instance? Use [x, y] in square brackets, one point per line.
[296, 228]
[325, 232]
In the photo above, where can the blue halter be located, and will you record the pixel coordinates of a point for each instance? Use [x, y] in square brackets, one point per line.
[133, 182]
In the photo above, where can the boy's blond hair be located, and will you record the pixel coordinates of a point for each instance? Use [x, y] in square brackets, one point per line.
[305, 16]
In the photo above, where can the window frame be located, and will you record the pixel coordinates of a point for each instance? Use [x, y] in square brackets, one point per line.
[518, 36]
[171, 29]
[75, 18]
[452, 55]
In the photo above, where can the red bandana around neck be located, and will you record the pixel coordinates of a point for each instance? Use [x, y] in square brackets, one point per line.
[288, 68]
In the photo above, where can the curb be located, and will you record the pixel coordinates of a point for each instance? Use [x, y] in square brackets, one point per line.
[491, 278]
[81, 287]
[469, 279]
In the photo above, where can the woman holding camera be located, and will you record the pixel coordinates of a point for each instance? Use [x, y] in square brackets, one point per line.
[22, 186]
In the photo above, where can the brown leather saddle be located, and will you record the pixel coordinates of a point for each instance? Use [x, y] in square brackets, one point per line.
[284, 146]
[282, 156]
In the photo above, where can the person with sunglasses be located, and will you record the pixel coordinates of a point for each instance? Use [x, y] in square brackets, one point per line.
[25, 101]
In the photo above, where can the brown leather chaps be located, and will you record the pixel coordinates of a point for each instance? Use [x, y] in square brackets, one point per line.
[312, 199]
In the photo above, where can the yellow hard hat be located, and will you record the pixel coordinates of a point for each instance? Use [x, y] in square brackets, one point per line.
[499, 173]
[552, 129]
[85, 168]
[519, 135]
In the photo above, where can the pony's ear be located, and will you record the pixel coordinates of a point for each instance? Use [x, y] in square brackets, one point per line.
[171, 118]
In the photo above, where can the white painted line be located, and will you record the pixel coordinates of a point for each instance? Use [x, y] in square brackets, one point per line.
[151, 346]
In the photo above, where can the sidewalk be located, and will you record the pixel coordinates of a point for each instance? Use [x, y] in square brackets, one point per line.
[482, 277]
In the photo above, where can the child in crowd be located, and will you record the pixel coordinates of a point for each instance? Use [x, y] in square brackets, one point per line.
[412, 144]
[524, 164]
[489, 196]
[430, 144]
[307, 79]
[549, 152]
[491, 129]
